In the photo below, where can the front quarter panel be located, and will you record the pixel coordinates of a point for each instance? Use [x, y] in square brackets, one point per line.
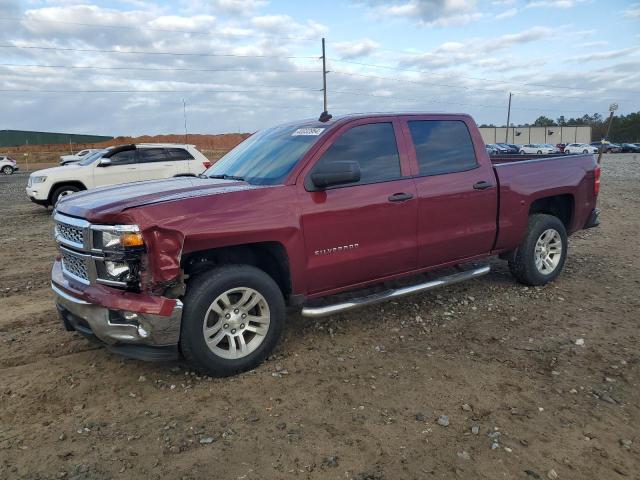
[177, 228]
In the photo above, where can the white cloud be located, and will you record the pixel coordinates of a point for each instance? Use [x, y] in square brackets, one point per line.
[564, 4]
[429, 13]
[507, 14]
[355, 49]
[633, 11]
[623, 52]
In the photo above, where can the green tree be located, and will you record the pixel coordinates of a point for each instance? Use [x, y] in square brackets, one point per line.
[543, 121]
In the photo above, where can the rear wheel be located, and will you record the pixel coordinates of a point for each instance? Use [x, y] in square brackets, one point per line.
[541, 255]
[63, 191]
[7, 170]
[585, 151]
[539, 152]
[233, 318]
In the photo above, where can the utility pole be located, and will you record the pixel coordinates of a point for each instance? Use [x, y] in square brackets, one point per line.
[612, 108]
[506, 136]
[324, 116]
[184, 115]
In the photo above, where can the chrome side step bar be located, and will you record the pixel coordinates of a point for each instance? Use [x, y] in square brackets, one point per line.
[316, 312]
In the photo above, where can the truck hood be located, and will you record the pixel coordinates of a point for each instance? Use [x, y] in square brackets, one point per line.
[105, 201]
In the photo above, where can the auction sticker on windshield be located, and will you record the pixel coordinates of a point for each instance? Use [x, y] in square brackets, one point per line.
[307, 131]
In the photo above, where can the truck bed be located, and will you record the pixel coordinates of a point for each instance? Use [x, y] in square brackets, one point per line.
[498, 159]
[523, 179]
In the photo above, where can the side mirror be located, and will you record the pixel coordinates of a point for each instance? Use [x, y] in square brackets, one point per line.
[336, 173]
[104, 162]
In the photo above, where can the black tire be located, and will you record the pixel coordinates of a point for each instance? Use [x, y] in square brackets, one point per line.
[585, 151]
[60, 191]
[201, 292]
[539, 152]
[523, 265]
[7, 170]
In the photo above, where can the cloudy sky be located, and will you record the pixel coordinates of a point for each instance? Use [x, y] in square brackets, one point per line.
[124, 67]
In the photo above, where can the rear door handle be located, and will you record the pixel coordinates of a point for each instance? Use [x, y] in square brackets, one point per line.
[482, 185]
[400, 197]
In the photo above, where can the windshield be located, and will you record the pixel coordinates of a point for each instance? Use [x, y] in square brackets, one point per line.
[266, 157]
[92, 157]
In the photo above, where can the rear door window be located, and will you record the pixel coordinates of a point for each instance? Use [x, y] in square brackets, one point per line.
[151, 155]
[442, 146]
[373, 146]
[176, 154]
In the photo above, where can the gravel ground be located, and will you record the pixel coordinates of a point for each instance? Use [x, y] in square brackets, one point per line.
[487, 379]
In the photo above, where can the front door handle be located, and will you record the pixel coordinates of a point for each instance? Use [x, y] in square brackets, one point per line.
[400, 197]
[481, 185]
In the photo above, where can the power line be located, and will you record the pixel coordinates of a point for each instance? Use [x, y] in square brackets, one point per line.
[263, 88]
[156, 69]
[152, 29]
[388, 67]
[182, 54]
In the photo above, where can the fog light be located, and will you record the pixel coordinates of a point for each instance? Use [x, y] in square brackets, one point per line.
[116, 269]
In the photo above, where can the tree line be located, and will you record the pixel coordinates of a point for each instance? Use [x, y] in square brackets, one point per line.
[624, 128]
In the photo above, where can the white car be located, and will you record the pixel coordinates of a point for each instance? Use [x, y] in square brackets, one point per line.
[8, 165]
[115, 165]
[67, 159]
[538, 148]
[580, 148]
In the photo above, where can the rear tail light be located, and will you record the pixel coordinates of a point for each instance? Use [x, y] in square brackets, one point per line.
[596, 180]
[206, 164]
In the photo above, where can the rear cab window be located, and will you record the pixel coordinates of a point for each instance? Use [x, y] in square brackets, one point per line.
[442, 146]
[373, 146]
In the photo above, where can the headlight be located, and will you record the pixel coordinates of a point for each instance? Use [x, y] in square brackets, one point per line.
[117, 237]
[38, 179]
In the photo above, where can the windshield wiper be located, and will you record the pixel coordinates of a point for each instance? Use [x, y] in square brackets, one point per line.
[224, 176]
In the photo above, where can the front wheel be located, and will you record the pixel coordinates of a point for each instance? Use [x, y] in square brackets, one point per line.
[539, 152]
[233, 318]
[7, 170]
[541, 255]
[62, 192]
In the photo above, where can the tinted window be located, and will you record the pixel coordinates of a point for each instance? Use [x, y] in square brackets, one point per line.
[442, 146]
[123, 158]
[149, 155]
[373, 146]
[178, 154]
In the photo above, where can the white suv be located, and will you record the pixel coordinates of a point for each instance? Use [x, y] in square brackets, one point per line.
[8, 165]
[123, 164]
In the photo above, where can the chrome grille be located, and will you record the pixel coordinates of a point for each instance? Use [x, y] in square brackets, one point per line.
[70, 233]
[75, 265]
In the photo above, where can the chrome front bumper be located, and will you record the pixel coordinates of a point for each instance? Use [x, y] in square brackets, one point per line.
[117, 327]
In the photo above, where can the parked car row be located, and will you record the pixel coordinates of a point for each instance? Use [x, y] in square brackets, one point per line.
[568, 148]
[116, 165]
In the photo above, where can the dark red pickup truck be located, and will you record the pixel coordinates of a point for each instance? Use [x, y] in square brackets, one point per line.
[206, 266]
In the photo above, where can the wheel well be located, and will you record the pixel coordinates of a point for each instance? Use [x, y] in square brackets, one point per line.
[55, 186]
[270, 257]
[560, 206]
